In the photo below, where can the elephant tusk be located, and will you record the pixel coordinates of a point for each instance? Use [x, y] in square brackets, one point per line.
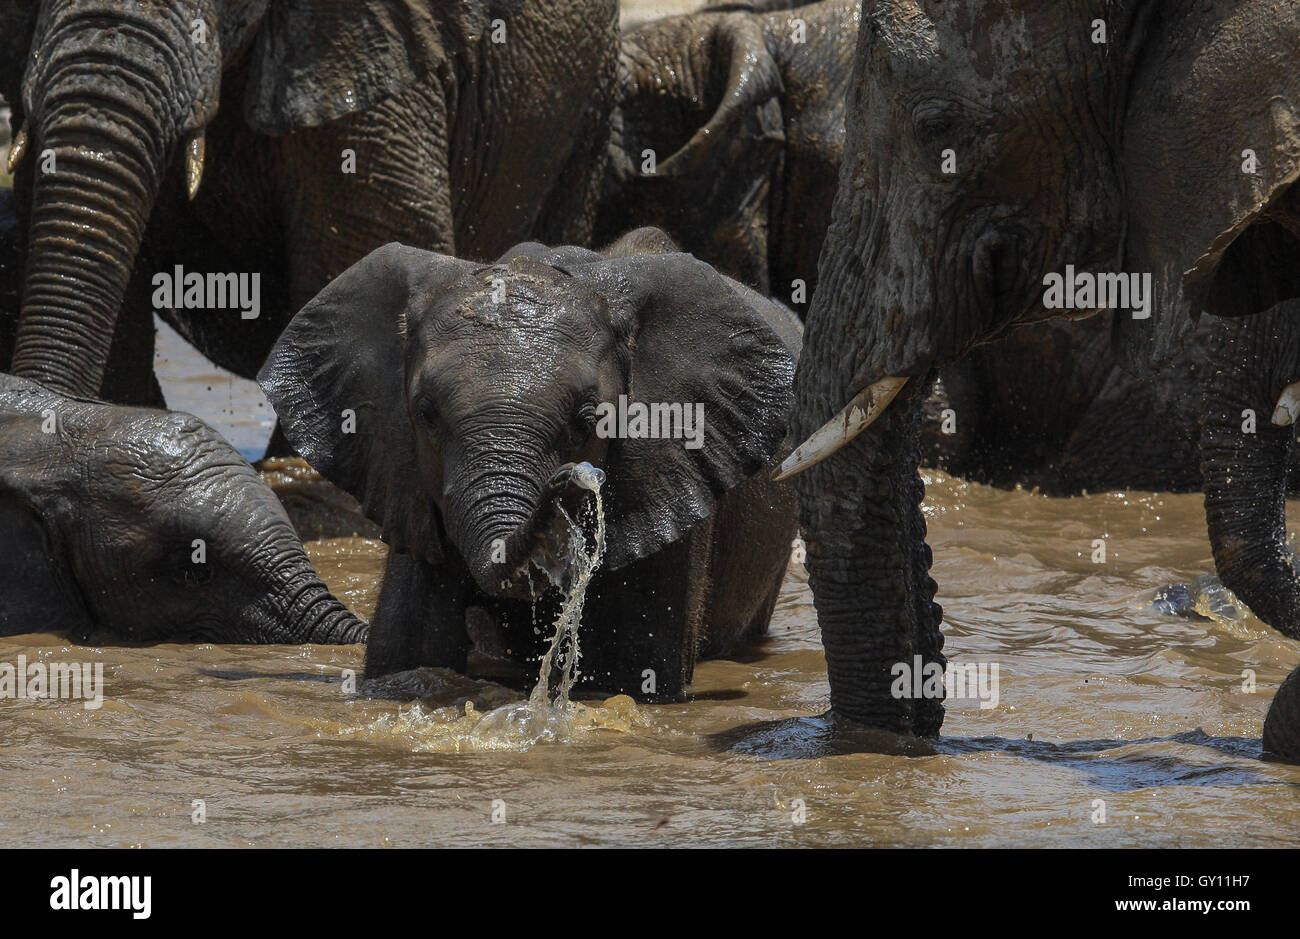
[17, 150]
[194, 149]
[856, 416]
[1288, 405]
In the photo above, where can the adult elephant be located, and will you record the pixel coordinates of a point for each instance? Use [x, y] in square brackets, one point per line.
[987, 147]
[147, 526]
[283, 138]
[477, 389]
[743, 111]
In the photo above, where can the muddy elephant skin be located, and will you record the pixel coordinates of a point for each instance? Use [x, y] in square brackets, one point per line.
[144, 525]
[475, 388]
[284, 139]
[974, 171]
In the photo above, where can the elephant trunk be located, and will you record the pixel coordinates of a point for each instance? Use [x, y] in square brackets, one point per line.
[869, 351]
[1245, 510]
[868, 565]
[492, 511]
[859, 501]
[302, 610]
[104, 124]
[1282, 725]
[1244, 459]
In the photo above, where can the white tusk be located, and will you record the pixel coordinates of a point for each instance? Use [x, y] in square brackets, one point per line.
[1288, 405]
[867, 405]
[194, 149]
[17, 150]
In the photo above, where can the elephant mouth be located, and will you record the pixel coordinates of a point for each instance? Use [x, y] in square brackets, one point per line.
[997, 267]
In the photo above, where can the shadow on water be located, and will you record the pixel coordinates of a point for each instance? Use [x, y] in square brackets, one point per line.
[243, 674]
[721, 694]
[803, 738]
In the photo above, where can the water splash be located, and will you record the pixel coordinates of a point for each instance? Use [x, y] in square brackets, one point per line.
[582, 566]
[1206, 598]
[421, 728]
[548, 715]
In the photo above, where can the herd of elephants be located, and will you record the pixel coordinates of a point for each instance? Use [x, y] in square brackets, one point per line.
[474, 222]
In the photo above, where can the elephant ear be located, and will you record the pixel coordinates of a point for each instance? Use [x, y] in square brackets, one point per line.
[691, 338]
[336, 380]
[1215, 93]
[704, 94]
[748, 100]
[317, 60]
[17, 27]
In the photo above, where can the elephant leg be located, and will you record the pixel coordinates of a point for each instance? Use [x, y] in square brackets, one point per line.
[1157, 447]
[641, 625]
[868, 566]
[760, 515]
[420, 619]
[568, 217]
[335, 218]
[129, 376]
[399, 188]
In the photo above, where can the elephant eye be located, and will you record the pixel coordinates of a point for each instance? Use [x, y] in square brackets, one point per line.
[584, 421]
[427, 407]
[935, 122]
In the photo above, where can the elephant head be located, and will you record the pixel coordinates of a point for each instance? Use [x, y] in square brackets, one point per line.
[148, 525]
[113, 99]
[988, 147]
[450, 397]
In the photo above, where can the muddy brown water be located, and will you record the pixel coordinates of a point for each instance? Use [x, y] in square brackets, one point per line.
[1125, 704]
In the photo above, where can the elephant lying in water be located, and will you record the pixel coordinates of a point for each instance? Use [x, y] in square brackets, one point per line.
[450, 398]
[146, 525]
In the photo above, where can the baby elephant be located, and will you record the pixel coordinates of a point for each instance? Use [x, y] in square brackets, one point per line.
[146, 525]
[452, 398]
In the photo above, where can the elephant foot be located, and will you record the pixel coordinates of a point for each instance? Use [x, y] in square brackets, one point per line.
[1282, 725]
[888, 713]
[851, 736]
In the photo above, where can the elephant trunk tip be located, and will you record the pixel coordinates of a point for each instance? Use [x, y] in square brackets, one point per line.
[519, 555]
[311, 614]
